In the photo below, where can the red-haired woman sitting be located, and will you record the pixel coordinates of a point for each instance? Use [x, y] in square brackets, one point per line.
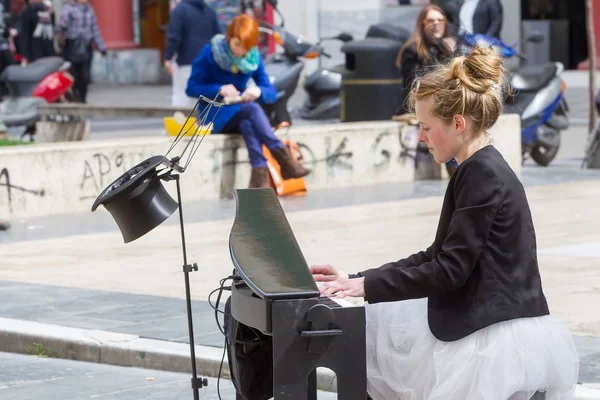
[224, 67]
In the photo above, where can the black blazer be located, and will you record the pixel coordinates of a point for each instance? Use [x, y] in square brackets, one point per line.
[487, 18]
[482, 267]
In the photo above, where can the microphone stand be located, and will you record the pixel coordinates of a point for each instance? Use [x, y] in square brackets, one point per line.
[139, 203]
[173, 165]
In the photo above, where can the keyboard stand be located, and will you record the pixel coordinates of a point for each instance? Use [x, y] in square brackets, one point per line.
[307, 335]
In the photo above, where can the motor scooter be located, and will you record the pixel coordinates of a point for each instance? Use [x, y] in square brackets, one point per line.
[538, 97]
[43, 81]
[322, 88]
[284, 68]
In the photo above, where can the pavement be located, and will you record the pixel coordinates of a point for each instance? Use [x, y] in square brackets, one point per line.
[33, 378]
[69, 285]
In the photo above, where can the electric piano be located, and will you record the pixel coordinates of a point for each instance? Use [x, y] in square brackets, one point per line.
[276, 294]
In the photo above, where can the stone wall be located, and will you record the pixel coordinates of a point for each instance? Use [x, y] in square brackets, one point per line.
[61, 178]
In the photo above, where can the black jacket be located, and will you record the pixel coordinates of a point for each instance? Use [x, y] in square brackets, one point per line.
[32, 47]
[192, 25]
[486, 20]
[482, 267]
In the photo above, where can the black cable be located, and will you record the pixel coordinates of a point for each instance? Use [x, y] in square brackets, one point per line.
[228, 340]
[217, 311]
[221, 370]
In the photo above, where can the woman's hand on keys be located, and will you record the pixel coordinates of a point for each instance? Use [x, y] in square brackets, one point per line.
[326, 273]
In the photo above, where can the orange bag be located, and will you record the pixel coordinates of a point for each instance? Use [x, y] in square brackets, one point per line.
[288, 187]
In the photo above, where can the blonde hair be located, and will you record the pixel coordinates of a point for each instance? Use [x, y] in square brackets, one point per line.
[471, 86]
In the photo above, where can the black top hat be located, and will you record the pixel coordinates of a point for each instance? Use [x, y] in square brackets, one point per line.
[137, 200]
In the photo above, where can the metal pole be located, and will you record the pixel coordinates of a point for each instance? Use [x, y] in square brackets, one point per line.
[196, 384]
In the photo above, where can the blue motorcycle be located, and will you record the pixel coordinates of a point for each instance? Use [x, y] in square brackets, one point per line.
[539, 98]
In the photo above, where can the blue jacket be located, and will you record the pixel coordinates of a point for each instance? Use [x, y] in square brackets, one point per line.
[191, 26]
[207, 78]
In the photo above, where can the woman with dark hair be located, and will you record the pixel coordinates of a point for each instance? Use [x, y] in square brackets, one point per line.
[430, 44]
[423, 48]
[224, 68]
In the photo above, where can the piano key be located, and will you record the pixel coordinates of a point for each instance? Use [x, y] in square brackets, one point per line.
[332, 302]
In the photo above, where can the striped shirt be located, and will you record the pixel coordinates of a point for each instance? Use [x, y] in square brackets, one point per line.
[80, 21]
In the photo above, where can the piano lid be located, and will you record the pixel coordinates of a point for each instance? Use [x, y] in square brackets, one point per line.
[264, 249]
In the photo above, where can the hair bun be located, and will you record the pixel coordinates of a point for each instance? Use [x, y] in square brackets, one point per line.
[480, 70]
[484, 63]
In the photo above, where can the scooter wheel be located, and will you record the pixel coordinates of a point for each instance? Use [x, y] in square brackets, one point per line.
[543, 156]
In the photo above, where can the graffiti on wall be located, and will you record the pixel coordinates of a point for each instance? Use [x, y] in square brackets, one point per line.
[8, 188]
[101, 169]
[337, 156]
[382, 146]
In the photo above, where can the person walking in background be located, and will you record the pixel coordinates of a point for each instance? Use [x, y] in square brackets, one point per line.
[37, 30]
[192, 25]
[79, 25]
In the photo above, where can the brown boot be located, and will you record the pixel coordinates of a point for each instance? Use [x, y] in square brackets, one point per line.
[259, 178]
[290, 168]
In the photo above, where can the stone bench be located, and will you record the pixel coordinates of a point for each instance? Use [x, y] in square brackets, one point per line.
[69, 176]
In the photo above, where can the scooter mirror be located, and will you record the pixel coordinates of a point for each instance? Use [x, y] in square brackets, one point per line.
[345, 37]
[535, 37]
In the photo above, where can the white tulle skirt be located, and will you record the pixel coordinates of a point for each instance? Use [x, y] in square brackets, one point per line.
[509, 360]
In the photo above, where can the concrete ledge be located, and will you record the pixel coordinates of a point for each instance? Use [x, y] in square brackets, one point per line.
[126, 350]
[62, 178]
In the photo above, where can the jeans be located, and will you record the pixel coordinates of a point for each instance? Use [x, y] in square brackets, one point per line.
[252, 122]
[82, 74]
[81, 71]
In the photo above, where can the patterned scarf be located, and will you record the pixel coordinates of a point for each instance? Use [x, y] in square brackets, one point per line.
[226, 60]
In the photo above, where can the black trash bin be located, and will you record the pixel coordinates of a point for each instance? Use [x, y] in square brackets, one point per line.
[388, 30]
[371, 83]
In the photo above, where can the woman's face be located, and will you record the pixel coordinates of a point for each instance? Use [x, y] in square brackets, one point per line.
[434, 25]
[237, 49]
[441, 138]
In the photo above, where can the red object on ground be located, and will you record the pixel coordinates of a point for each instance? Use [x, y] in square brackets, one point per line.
[54, 86]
